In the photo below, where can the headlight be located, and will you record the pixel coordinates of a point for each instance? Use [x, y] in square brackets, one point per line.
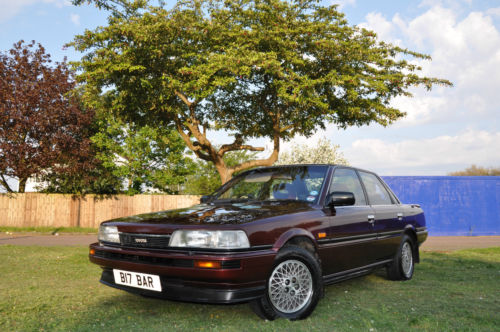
[108, 234]
[209, 239]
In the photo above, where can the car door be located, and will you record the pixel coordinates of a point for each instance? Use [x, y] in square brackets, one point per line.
[388, 223]
[351, 234]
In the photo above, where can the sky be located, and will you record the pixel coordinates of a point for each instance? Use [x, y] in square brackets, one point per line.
[445, 130]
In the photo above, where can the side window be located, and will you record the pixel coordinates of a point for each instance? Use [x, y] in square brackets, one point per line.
[377, 194]
[345, 179]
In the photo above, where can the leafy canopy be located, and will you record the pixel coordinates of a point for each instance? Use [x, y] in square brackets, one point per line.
[256, 68]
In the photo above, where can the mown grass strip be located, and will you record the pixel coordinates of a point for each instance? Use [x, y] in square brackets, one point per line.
[56, 288]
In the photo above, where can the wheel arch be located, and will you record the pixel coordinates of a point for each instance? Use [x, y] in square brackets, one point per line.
[295, 236]
[411, 232]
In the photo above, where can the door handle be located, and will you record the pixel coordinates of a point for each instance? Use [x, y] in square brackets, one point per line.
[400, 216]
[371, 218]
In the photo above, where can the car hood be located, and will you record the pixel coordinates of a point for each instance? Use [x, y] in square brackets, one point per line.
[205, 214]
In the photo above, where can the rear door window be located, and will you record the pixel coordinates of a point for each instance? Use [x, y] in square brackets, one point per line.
[377, 194]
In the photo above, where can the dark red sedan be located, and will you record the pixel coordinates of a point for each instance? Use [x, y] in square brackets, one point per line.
[271, 236]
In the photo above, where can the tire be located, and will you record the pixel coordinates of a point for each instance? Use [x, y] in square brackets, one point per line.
[403, 265]
[294, 286]
[262, 309]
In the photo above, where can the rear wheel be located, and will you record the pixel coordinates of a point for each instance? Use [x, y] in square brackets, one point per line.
[403, 264]
[293, 287]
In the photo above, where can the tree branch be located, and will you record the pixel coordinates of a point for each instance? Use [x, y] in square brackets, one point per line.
[195, 148]
[260, 162]
[183, 98]
[237, 145]
[287, 128]
[6, 184]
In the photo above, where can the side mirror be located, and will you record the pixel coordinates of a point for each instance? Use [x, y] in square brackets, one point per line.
[340, 198]
[205, 198]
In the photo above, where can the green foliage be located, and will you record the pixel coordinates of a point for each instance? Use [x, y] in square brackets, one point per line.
[96, 179]
[323, 152]
[477, 171]
[271, 69]
[142, 156]
[206, 180]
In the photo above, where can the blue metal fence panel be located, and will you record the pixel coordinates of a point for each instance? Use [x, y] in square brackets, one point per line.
[453, 205]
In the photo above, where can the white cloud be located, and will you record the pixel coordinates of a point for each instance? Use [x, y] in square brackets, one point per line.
[344, 3]
[426, 156]
[385, 29]
[466, 51]
[10, 8]
[75, 18]
[493, 11]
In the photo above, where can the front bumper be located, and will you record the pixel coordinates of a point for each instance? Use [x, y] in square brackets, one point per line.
[241, 278]
[422, 234]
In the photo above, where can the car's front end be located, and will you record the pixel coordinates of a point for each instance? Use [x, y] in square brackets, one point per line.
[158, 265]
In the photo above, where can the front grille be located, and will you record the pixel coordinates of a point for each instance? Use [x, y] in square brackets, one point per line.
[226, 264]
[144, 259]
[144, 240]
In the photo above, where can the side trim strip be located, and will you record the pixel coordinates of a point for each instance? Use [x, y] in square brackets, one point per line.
[349, 238]
[360, 238]
[353, 273]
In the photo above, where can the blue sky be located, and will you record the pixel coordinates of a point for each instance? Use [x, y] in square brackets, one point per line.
[445, 130]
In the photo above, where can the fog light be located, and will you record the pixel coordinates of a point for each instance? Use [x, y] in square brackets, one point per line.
[207, 264]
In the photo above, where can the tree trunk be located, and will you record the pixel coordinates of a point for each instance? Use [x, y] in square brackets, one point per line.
[22, 185]
[225, 172]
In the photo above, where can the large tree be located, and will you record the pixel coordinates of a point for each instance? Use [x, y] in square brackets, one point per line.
[257, 69]
[43, 126]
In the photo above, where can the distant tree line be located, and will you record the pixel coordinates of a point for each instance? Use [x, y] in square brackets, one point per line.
[477, 171]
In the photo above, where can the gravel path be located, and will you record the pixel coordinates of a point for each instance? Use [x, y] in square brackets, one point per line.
[433, 243]
[48, 240]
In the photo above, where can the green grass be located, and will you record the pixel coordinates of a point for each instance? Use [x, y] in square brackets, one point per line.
[56, 288]
[48, 230]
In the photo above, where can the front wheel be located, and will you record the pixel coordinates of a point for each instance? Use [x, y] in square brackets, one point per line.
[294, 286]
[403, 264]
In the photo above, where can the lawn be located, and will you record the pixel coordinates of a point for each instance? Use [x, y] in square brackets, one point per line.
[56, 288]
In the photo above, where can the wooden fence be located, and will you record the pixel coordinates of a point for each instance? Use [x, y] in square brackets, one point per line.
[55, 210]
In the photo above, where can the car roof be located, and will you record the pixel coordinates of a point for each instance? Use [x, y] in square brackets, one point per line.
[329, 165]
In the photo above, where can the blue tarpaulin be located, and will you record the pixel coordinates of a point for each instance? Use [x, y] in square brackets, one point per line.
[453, 205]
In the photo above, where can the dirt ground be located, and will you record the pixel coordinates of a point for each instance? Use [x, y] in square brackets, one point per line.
[450, 243]
[433, 243]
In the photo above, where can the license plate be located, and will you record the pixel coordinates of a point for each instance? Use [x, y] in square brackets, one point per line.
[138, 280]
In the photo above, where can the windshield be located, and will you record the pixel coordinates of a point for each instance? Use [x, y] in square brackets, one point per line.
[300, 183]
